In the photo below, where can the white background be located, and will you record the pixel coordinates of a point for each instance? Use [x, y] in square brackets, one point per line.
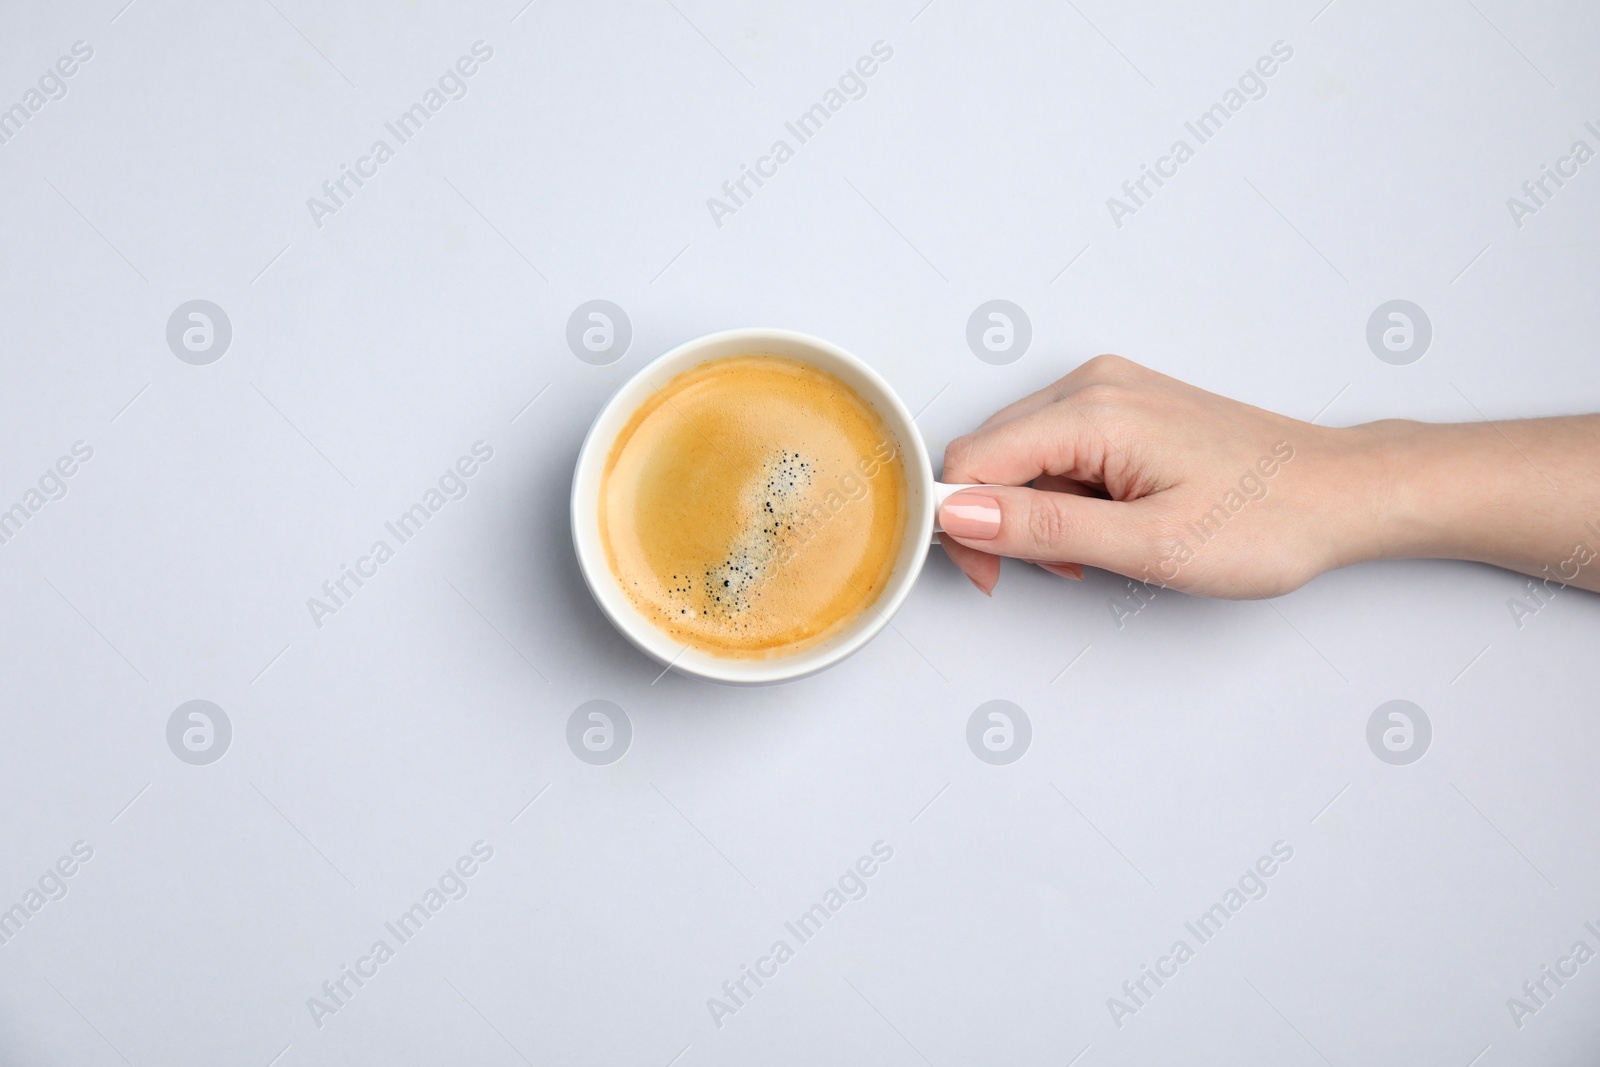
[370, 353]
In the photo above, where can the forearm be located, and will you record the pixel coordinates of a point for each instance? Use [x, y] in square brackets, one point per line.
[1521, 494]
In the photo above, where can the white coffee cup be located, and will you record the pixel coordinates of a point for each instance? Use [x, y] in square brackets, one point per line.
[923, 498]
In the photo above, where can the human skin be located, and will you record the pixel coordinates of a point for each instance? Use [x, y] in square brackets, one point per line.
[1120, 467]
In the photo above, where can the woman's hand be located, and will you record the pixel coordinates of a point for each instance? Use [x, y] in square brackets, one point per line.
[1120, 467]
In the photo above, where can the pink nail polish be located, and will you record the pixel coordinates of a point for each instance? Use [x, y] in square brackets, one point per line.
[971, 515]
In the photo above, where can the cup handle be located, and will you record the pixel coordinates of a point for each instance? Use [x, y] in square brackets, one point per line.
[943, 491]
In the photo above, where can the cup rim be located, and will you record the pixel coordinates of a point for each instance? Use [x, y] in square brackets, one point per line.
[651, 639]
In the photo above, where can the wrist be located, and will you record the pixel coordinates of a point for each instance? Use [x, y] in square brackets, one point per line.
[1400, 499]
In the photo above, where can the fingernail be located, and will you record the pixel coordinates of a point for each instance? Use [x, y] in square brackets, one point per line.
[979, 586]
[1065, 570]
[971, 515]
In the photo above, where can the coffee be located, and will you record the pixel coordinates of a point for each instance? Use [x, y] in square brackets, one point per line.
[754, 506]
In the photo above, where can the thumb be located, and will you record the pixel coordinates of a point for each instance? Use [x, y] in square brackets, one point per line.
[1053, 527]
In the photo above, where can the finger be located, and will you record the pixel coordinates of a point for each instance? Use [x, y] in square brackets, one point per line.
[981, 568]
[1026, 406]
[1104, 369]
[1058, 441]
[1050, 527]
[1065, 570]
[1052, 483]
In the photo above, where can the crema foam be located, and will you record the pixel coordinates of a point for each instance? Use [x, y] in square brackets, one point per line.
[754, 506]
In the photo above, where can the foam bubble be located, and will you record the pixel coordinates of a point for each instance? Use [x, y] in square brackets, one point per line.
[732, 588]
